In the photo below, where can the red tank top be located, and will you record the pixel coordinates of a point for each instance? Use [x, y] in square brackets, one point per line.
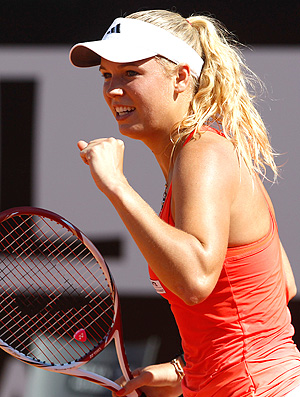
[238, 342]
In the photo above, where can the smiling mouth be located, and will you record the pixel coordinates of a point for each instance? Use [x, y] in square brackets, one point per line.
[123, 110]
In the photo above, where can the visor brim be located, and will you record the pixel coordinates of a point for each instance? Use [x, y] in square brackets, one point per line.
[90, 54]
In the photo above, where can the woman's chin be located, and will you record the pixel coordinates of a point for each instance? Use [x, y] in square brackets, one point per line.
[134, 132]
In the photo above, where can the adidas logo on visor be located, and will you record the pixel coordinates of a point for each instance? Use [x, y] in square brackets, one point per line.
[115, 29]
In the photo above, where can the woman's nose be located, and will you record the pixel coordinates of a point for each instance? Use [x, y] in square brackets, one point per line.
[113, 89]
[115, 92]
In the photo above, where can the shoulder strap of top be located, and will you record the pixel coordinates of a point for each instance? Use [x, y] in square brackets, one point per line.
[190, 136]
[204, 127]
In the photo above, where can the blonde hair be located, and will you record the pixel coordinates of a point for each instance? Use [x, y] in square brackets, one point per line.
[221, 93]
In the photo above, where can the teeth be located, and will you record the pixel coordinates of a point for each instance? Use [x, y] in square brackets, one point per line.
[121, 110]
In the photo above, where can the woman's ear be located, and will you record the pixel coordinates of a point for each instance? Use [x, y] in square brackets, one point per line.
[182, 78]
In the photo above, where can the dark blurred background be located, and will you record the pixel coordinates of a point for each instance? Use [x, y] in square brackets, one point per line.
[70, 21]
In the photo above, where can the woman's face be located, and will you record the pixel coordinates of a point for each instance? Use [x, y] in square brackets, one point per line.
[141, 97]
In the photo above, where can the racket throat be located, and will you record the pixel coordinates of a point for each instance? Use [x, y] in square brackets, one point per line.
[122, 356]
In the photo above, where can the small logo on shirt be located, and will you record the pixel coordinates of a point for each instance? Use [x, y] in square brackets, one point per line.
[158, 287]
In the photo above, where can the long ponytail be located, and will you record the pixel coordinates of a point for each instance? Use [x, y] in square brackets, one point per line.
[221, 95]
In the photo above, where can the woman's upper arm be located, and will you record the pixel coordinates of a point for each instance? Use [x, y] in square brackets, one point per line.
[205, 179]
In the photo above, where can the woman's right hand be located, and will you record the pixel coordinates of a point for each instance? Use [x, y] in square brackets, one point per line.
[105, 159]
[158, 380]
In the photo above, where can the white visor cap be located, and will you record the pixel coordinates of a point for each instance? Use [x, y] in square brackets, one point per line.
[130, 40]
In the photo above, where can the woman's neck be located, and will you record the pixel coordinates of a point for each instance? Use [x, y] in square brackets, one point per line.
[163, 157]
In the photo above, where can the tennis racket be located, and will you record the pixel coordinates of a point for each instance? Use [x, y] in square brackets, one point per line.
[59, 306]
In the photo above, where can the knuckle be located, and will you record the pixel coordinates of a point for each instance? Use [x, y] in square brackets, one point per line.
[120, 143]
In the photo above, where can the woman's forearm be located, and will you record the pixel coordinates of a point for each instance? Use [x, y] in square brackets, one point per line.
[176, 257]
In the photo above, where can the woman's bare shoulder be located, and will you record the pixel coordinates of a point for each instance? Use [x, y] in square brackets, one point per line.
[207, 153]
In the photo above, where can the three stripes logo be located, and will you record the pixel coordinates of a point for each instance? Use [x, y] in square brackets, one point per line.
[115, 29]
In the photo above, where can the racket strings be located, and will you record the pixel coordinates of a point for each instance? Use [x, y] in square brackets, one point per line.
[49, 268]
[18, 338]
[86, 253]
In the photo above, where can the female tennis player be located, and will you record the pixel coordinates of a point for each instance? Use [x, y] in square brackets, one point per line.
[181, 87]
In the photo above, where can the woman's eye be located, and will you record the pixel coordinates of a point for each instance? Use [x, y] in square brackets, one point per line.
[131, 73]
[106, 75]
[128, 73]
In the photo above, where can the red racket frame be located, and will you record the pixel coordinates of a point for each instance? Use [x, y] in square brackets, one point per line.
[115, 331]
